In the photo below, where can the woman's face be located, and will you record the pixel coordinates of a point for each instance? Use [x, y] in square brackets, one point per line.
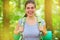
[30, 9]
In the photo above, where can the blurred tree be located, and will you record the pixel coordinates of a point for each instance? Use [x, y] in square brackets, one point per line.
[48, 18]
[59, 7]
[6, 19]
[59, 2]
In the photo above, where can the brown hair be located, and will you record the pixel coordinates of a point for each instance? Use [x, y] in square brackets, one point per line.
[27, 2]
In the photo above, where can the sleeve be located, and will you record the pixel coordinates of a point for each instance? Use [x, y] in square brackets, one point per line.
[42, 22]
[20, 21]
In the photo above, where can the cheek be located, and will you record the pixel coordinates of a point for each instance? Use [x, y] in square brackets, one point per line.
[33, 10]
[26, 11]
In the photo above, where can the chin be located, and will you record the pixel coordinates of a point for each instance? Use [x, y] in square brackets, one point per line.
[30, 15]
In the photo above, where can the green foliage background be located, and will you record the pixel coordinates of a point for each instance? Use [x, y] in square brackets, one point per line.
[17, 11]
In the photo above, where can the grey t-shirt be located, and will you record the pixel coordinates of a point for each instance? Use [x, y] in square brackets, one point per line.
[31, 32]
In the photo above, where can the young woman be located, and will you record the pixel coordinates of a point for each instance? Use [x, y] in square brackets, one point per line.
[31, 29]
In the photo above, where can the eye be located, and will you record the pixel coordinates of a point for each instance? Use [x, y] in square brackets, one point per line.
[28, 8]
[32, 7]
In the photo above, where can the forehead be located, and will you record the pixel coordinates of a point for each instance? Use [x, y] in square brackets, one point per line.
[30, 5]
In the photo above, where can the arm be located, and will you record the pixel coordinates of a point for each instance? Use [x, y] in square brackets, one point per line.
[18, 29]
[43, 29]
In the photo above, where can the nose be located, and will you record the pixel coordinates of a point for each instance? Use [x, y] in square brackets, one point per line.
[30, 9]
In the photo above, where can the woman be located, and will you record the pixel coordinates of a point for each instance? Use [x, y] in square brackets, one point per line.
[31, 29]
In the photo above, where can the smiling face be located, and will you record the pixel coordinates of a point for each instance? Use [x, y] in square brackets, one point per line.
[30, 9]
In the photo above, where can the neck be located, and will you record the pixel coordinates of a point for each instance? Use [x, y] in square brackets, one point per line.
[30, 17]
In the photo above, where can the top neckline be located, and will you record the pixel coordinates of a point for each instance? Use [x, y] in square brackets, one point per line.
[31, 25]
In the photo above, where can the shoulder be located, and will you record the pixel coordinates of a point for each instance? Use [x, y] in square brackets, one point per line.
[42, 21]
[21, 20]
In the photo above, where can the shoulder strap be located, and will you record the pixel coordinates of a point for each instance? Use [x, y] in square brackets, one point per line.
[23, 21]
[38, 20]
[39, 24]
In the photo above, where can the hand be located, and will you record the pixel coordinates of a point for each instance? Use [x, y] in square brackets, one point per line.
[41, 28]
[21, 29]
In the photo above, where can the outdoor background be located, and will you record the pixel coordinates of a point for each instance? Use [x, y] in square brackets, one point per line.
[12, 10]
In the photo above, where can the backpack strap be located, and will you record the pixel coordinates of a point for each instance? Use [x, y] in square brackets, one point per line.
[22, 24]
[39, 24]
[23, 21]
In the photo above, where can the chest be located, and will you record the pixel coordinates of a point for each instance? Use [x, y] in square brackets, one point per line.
[31, 30]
